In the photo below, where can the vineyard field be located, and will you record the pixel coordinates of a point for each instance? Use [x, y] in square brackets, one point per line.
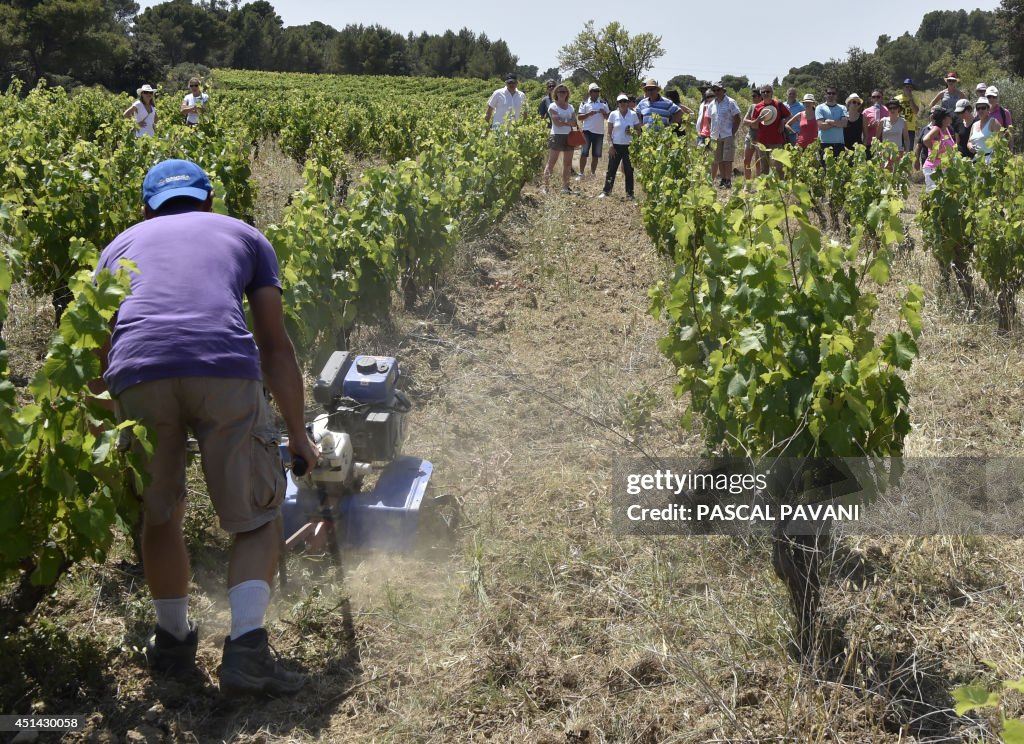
[544, 339]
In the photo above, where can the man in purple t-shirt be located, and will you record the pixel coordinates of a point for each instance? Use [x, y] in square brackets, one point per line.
[181, 356]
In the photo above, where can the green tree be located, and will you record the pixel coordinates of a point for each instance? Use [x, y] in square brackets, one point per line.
[734, 82]
[975, 64]
[611, 56]
[908, 57]
[256, 32]
[806, 79]
[526, 72]
[1011, 19]
[860, 72]
[187, 32]
[369, 50]
[301, 50]
[549, 74]
[685, 82]
[66, 41]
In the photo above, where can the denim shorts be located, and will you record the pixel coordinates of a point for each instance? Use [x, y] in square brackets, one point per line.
[592, 145]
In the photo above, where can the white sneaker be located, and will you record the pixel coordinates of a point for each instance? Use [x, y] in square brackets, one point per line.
[602, 195]
[579, 177]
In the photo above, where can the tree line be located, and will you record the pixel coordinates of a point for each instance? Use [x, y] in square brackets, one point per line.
[978, 44]
[111, 43]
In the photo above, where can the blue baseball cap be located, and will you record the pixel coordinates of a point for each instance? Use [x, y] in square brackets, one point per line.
[909, 81]
[173, 178]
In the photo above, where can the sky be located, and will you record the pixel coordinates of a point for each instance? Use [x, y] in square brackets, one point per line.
[744, 41]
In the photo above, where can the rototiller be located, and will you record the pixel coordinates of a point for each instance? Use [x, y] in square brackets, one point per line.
[360, 435]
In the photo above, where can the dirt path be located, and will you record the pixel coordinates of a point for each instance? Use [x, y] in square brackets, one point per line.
[531, 373]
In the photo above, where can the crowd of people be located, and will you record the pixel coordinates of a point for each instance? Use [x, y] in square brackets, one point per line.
[143, 109]
[588, 127]
[952, 122]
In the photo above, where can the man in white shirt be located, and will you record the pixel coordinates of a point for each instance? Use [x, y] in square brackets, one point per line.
[725, 120]
[505, 104]
[622, 123]
[593, 113]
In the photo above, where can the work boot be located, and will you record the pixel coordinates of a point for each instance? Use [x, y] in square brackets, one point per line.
[165, 653]
[249, 667]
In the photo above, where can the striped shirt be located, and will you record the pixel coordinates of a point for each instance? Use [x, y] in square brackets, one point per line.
[663, 108]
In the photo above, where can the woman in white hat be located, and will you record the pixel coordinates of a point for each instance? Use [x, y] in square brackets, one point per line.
[144, 112]
[854, 132]
[999, 112]
[980, 141]
[806, 123]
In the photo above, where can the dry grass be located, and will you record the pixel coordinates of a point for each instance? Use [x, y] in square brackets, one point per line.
[533, 368]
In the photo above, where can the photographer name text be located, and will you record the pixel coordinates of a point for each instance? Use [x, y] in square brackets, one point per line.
[744, 513]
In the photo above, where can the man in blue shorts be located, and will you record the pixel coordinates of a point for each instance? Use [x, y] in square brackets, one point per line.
[182, 357]
[593, 113]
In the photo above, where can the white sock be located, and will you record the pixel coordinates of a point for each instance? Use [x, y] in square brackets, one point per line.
[172, 616]
[249, 601]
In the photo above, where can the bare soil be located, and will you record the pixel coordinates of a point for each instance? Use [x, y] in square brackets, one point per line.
[533, 368]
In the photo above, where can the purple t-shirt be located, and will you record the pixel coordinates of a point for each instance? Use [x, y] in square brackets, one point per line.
[184, 317]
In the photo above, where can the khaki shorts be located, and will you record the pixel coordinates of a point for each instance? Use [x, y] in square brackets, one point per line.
[725, 150]
[765, 157]
[237, 440]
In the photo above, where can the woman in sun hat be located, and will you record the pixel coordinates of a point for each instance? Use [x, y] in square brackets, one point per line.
[985, 125]
[947, 98]
[143, 111]
[806, 123]
[854, 132]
